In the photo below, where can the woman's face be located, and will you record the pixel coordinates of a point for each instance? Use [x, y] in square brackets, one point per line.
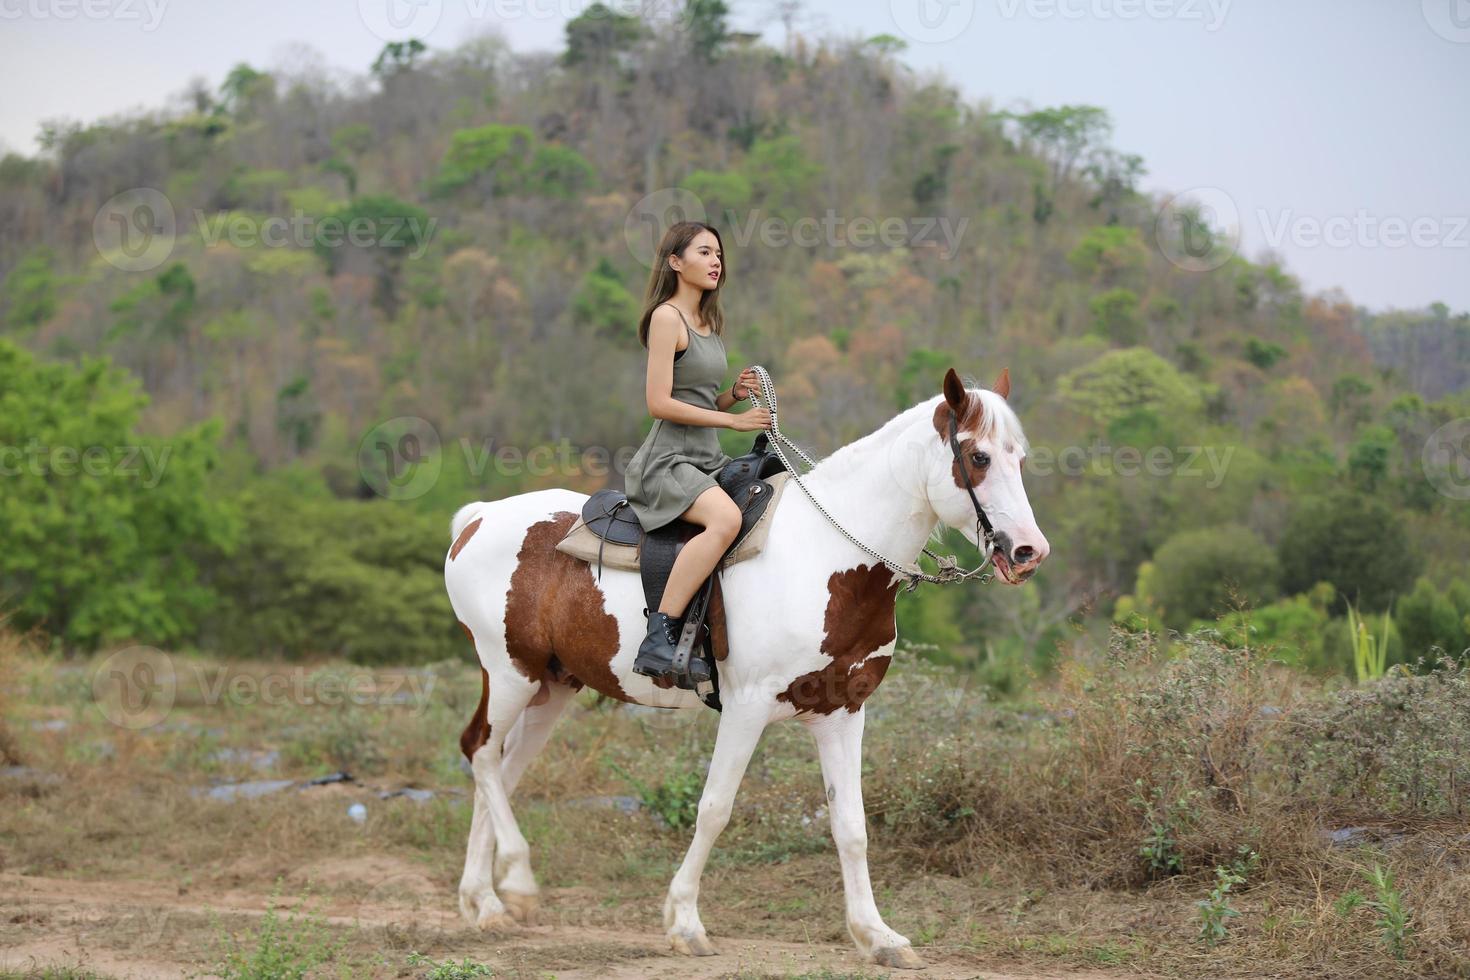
[701, 264]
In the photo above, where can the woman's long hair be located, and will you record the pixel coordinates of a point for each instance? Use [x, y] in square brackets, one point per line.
[663, 282]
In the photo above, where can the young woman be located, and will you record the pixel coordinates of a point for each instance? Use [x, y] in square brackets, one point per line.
[672, 474]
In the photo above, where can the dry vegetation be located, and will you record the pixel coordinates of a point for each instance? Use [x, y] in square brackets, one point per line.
[1079, 831]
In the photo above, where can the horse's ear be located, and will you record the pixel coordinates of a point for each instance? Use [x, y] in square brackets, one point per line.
[1002, 384]
[954, 393]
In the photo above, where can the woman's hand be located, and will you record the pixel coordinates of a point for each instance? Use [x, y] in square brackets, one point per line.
[747, 382]
[756, 418]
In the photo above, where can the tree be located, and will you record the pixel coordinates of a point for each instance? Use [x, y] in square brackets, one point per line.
[1116, 175]
[1123, 381]
[604, 304]
[1109, 255]
[933, 184]
[1349, 400]
[780, 175]
[28, 298]
[397, 56]
[724, 193]
[705, 22]
[1115, 316]
[382, 230]
[496, 158]
[1065, 134]
[1201, 573]
[559, 171]
[245, 91]
[1355, 542]
[596, 37]
[1371, 457]
[105, 531]
[349, 143]
[1263, 354]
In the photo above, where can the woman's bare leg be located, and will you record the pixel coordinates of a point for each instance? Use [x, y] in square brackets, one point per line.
[720, 518]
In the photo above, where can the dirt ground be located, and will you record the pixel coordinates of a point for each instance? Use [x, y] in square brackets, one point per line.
[147, 930]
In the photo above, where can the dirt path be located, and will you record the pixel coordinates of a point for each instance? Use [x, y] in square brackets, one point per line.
[148, 929]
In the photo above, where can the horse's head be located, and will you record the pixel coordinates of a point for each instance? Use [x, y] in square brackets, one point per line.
[992, 450]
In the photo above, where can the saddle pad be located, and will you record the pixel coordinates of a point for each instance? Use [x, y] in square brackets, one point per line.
[581, 542]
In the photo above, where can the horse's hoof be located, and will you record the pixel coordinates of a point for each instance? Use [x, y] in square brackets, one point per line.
[898, 958]
[525, 909]
[496, 922]
[692, 945]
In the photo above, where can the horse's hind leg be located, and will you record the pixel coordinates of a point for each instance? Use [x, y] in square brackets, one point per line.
[531, 732]
[503, 699]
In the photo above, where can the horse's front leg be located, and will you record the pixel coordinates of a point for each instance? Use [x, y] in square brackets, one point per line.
[742, 720]
[839, 738]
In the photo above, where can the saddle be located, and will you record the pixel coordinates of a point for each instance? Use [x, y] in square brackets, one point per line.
[609, 529]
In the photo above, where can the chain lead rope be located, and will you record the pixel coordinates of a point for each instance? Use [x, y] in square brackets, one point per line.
[949, 566]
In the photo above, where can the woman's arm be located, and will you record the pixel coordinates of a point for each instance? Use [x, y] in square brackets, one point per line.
[663, 339]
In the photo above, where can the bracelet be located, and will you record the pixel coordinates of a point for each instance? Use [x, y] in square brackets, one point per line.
[742, 397]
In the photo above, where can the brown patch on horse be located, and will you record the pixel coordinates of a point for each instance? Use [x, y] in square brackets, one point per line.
[555, 610]
[859, 620]
[477, 732]
[464, 537]
[970, 411]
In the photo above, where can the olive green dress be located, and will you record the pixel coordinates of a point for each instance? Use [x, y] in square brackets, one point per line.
[676, 462]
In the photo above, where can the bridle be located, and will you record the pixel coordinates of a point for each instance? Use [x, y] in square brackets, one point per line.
[949, 570]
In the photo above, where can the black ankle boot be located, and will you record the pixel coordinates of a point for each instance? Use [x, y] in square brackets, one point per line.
[656, 654]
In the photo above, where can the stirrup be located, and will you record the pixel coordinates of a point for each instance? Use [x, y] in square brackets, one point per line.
[684, 678]
[684, 657]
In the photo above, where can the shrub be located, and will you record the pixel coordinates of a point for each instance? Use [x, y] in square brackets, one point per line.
[359, 579]
[1289, 630]
[1201, 572]
[1400, 744]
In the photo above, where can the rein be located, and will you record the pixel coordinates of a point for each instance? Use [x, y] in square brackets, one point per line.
[949, 570]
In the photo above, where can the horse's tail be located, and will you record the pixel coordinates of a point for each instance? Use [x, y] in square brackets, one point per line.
[461, 518]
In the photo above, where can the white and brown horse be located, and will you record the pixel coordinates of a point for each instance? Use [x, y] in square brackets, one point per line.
[805, 630]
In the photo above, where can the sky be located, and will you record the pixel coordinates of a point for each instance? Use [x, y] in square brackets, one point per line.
[1331, 132]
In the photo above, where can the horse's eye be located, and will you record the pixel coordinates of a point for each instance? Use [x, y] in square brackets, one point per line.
[980, 459]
